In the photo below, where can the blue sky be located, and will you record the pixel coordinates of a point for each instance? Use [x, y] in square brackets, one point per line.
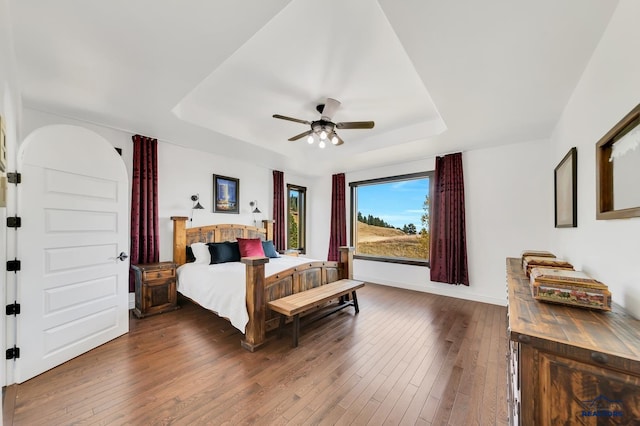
[397, 203]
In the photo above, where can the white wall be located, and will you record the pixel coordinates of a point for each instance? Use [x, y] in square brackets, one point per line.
[606, 249]
[509, 189]
[184, 172]
[509, 196]
[501, 219]
[319, 217]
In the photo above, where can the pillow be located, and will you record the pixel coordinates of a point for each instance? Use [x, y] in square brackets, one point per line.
[201, 253]
[269, 249]
[224, 252]
[190, 256]
[250, 247]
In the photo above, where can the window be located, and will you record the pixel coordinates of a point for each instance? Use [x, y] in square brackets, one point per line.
[390, 218]
[296, 217]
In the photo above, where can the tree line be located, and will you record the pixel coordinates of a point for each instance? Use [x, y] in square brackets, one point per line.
[409, 229]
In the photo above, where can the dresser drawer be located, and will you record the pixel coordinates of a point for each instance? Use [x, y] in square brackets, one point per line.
[156, 274]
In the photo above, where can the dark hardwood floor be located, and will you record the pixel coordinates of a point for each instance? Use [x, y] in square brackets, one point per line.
[407, 358]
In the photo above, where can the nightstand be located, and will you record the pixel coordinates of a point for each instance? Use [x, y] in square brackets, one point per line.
[155, 288]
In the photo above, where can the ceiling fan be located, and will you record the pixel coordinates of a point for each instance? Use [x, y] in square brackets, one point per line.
[324, 129]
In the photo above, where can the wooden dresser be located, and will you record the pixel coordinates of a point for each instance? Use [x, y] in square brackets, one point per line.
[155, 288]
[570, 365]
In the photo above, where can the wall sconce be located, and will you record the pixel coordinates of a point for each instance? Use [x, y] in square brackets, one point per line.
[196, 205]
[254, 210]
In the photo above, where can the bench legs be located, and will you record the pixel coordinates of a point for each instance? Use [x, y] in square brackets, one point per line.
[281, 325]
[296, 318]
[296, 330]
[295, 325]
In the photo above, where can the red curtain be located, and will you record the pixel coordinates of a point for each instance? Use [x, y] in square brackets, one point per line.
[448, 249]
[145, 241]
[338, 236]
[278, 211]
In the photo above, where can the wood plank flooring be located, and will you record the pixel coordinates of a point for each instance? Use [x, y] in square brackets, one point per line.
[407, 358]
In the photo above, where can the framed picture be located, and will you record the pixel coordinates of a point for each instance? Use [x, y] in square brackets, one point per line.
[618, 169]
[226, 191]
[566, 191]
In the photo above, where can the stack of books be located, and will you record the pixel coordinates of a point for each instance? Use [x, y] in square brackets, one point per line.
[542, 259]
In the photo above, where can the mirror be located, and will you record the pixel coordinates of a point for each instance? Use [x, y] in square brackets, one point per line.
[626, 171]
[618, 169]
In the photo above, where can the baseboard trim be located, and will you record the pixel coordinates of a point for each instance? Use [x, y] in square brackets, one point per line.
[445, 290]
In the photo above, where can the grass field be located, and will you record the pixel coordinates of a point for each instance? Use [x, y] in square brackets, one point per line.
[378, 241]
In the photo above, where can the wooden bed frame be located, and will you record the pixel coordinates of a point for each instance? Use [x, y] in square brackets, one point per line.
[260, 288]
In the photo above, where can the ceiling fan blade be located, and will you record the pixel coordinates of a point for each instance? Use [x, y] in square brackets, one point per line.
[301, 135]
[356, 125]
[340, 141]
[330, 108]
[297, 120]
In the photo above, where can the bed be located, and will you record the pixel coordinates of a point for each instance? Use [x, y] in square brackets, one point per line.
[265, 279]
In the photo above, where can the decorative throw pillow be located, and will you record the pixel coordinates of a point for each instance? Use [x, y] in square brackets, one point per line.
[201, 253]
[235, 250]
[224, 252]
[190, 256]
[269, 249]
[250, 247]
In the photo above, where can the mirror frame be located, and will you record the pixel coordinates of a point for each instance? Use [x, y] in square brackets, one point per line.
[604, 171]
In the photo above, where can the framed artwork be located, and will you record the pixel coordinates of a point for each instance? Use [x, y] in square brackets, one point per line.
[566, 191]
[618, 169]
[226, 192]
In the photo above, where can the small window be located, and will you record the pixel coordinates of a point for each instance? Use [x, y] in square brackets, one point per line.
[296, 217]
[390, 218]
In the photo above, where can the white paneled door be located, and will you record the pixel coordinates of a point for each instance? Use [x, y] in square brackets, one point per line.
[72, 286]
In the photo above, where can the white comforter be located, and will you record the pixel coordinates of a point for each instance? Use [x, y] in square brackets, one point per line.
[221, 287]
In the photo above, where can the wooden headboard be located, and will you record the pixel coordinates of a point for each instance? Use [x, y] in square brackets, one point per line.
[183, 236]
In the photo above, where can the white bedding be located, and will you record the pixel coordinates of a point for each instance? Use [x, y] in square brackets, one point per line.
[221, 287]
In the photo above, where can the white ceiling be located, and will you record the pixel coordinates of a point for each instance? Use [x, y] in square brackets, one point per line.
[435, 76]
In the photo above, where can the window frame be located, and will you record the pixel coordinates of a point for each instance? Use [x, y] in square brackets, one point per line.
[354, 214]
[302, 230]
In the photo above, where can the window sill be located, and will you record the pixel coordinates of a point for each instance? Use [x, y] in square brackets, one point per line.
[398, 260]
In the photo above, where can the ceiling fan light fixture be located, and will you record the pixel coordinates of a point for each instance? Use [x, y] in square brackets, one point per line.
[323, 130]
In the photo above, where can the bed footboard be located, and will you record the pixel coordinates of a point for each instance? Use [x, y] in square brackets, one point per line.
[261, 289]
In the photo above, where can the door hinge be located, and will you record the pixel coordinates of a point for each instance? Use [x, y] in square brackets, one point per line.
[13, 353]
[14, 177]
[13, 265]
[13, 309]
[14, 222]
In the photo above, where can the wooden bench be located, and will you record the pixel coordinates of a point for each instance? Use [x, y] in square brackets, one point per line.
[298, 303]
